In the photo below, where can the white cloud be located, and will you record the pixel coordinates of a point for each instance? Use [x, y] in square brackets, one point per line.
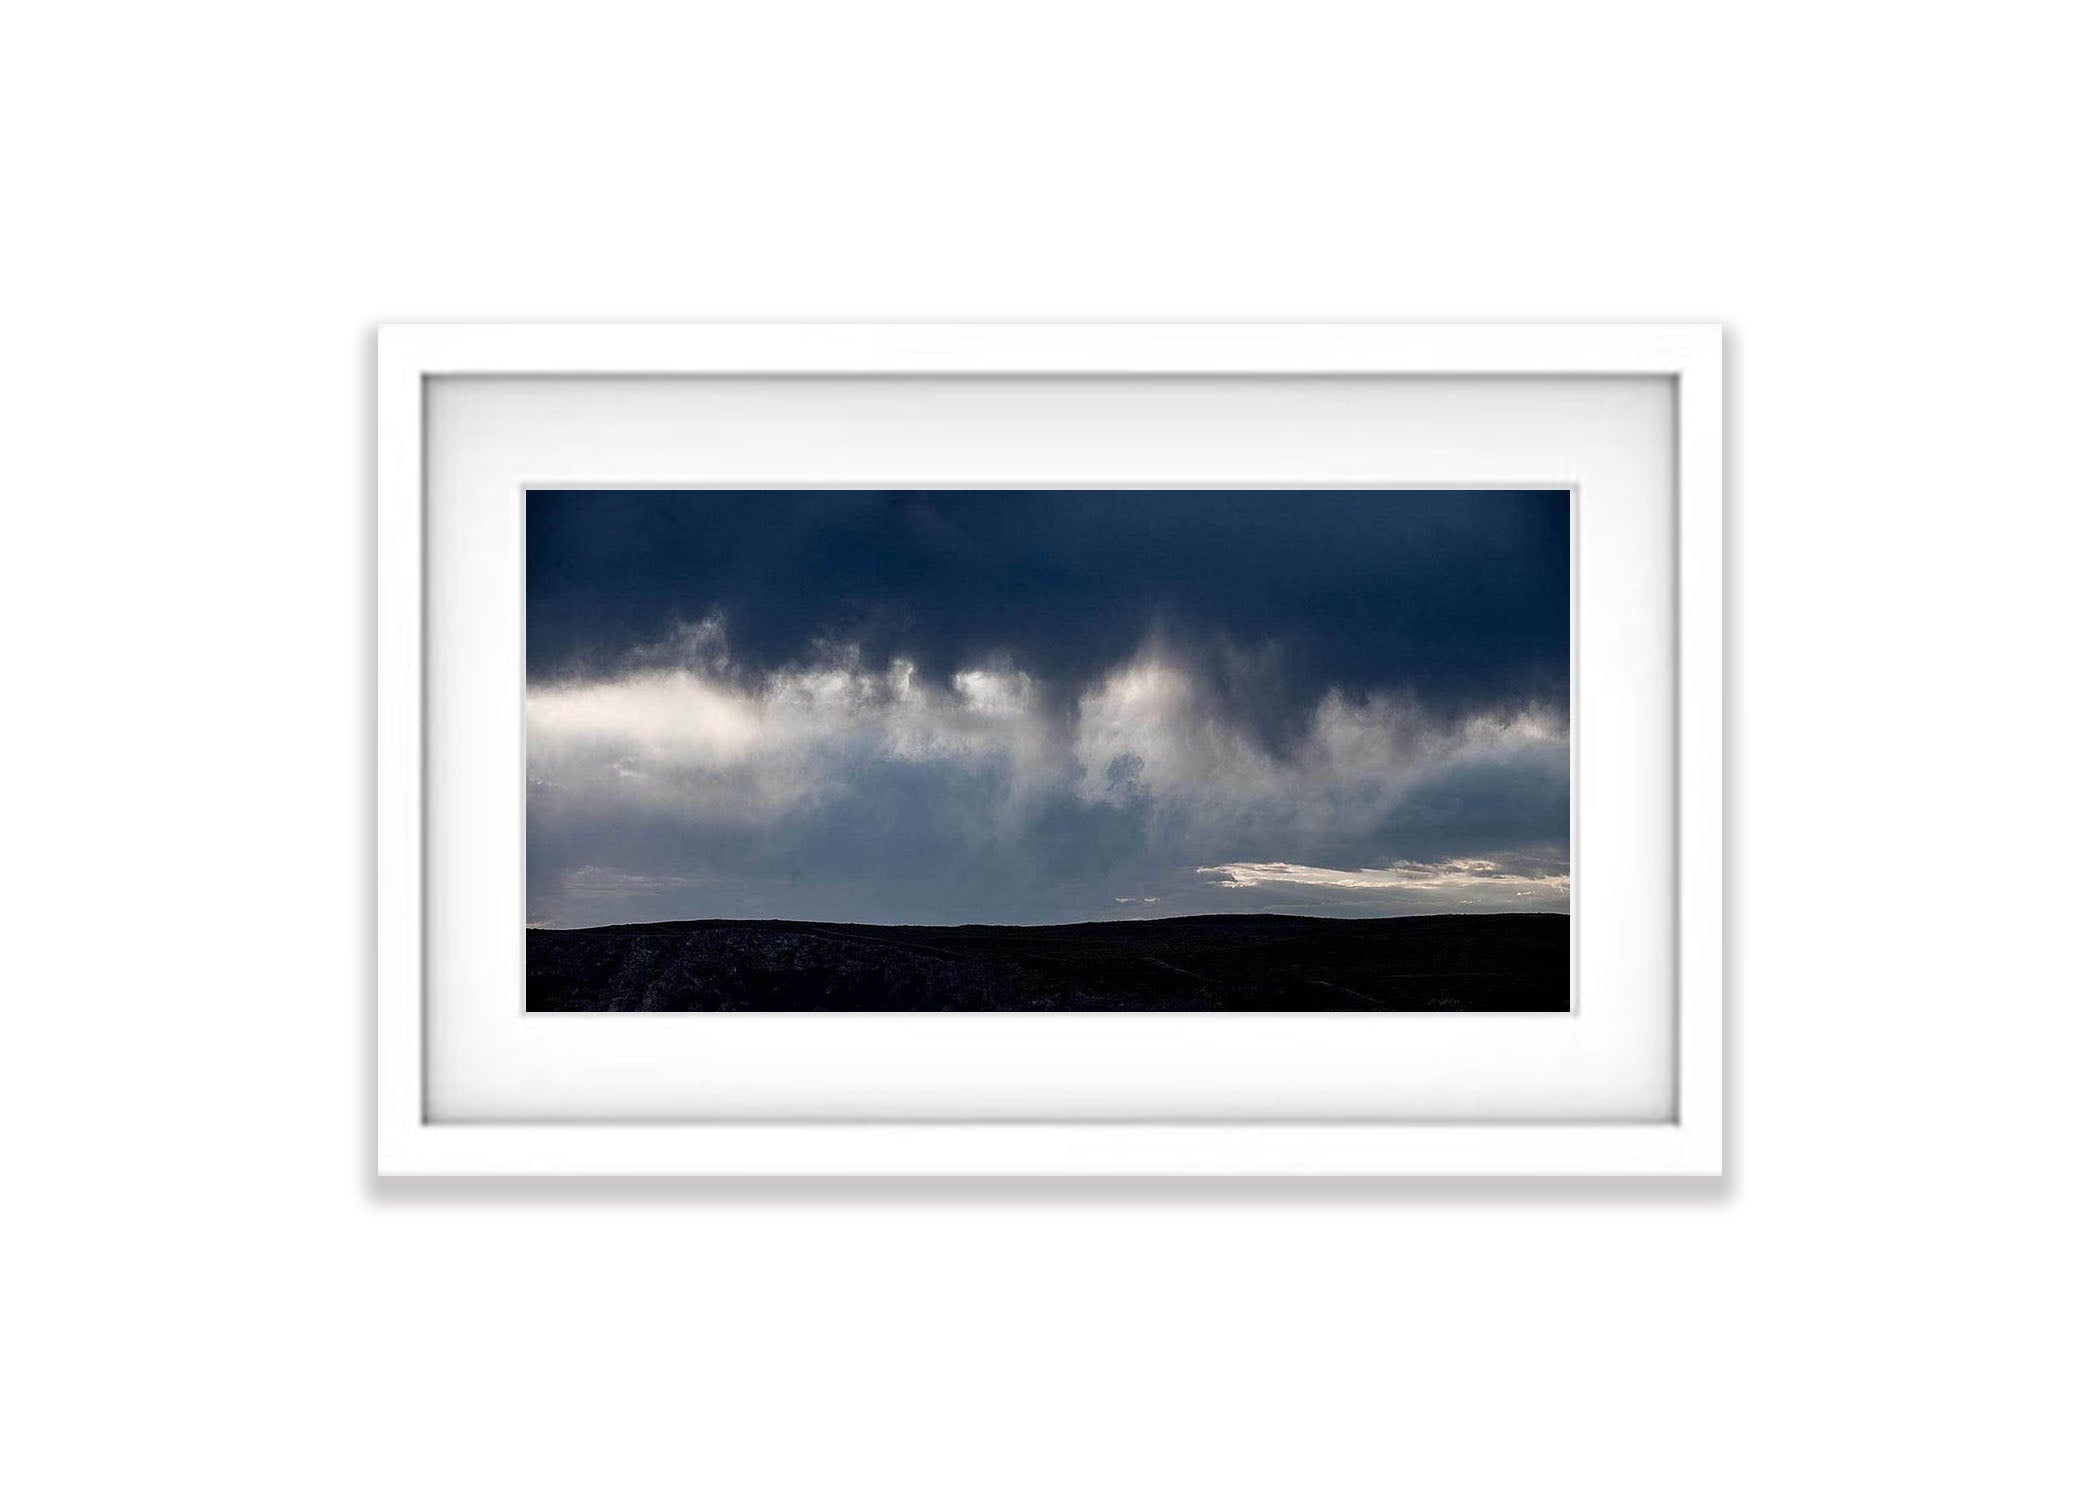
[1145, 732]
[1147, 737]
[1450, 876]
[697, 740]
[683, 741]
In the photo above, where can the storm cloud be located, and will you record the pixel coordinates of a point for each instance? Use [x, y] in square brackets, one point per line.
[1036, 706]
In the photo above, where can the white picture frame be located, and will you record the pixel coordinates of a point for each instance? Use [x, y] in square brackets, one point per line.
[1687, 1140]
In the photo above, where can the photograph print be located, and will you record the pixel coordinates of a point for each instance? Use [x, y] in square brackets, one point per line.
[1048, 750]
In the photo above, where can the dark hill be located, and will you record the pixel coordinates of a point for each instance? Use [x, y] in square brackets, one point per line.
[1509, 962]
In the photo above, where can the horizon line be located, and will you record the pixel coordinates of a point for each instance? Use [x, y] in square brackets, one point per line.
[1087, 922]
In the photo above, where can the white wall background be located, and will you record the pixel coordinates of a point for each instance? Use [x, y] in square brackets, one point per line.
[210, 206]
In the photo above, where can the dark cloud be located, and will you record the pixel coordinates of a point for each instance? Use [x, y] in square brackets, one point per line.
[1045, 706]
[1269, 598]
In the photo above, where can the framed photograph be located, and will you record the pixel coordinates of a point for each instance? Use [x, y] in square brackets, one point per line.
[1050, 749]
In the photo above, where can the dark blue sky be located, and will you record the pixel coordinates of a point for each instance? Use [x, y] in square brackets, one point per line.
[1045, 705]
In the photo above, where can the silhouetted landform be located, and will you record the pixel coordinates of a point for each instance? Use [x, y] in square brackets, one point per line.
[1509, 962]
